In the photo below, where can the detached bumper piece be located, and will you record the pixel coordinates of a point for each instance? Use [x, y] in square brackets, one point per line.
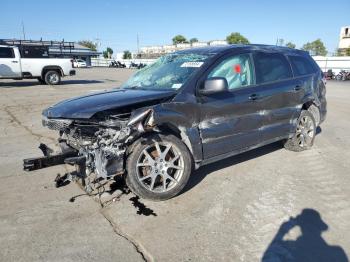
[31, 164]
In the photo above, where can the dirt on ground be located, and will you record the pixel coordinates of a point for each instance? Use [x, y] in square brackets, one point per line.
[260, 205]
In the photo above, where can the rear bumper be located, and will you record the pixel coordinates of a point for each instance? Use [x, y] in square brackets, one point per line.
[72, 73]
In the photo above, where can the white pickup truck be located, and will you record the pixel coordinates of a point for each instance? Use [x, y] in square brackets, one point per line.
[46, 70]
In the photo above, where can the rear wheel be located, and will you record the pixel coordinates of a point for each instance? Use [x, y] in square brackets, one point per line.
[52, 77]
[304, 134]
[158, 167]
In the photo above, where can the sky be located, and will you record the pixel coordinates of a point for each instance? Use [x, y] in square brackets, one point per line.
[117, 23]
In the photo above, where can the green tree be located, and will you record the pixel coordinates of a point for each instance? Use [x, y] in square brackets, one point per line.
[290, 45]
[178, 39]
[347, 51]
[126, 54]
[236, 38]
[89, 44]
[108, 53]
[315, 48]
[193, 40]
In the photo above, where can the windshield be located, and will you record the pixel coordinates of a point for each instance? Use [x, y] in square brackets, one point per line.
[168, 72]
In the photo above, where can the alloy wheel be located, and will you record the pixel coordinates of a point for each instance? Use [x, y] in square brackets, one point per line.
[305, 131]
[160, 167]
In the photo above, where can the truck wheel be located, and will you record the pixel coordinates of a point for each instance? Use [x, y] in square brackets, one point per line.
[41, 81]
[52, 77]
[158, 167]
[305, 133]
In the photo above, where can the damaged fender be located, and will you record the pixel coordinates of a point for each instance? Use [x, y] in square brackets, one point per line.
[170, 119]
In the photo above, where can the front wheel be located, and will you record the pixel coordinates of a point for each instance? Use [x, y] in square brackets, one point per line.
[158, 167]
[304, 134]
[52, 77]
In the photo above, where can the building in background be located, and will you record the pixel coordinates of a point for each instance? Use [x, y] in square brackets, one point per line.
[150, 52]
[344, 39]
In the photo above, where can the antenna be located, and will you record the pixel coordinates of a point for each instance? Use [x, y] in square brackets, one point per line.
[23, 31]
[138, 44]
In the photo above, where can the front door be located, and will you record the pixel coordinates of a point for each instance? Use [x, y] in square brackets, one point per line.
[230, 120]
[10, 66]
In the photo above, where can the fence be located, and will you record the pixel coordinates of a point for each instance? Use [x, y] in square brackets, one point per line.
[335, 63]
[103, 62]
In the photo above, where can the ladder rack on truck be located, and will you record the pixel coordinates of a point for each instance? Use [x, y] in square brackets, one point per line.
[40, 48]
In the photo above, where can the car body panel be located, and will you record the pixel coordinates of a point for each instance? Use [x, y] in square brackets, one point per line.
[85, 107]
[280, 107]
[229, 120]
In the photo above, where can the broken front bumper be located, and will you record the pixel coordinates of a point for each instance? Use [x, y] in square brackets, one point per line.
[48, 160]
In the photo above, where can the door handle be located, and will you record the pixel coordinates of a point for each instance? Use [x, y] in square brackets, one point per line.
[14, 61]
[253, 97]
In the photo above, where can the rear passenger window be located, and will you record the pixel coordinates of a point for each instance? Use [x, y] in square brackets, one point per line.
[6, 52]
[271, 67]
[236, 69]
[301, 66]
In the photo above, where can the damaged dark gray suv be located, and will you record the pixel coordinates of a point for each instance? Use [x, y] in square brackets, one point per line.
[188, 109]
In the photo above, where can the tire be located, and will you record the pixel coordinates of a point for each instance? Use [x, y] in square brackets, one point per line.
[149, 165]
[305, 133]
[52, 77]
[315, 113]
[41, 81]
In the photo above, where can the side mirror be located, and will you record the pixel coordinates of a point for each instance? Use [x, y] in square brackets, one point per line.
[214, 85]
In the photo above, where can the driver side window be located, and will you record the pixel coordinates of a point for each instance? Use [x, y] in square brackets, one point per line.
[236, 69]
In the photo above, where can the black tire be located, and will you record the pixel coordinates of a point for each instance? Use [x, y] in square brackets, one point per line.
[41, 81]
[52, 77]
[152, 175]
[305, 133]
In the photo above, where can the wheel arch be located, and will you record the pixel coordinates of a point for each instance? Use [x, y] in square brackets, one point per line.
[51, 68]
[189, 137]
[313, 109]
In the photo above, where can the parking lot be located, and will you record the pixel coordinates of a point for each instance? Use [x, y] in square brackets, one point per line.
[231, 210]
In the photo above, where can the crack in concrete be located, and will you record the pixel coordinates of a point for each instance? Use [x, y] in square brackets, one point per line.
[18, 122]
[138, 247]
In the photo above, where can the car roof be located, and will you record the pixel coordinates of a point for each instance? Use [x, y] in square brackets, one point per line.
[250, 47]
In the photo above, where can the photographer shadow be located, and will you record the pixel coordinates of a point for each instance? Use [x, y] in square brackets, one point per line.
[309, 246]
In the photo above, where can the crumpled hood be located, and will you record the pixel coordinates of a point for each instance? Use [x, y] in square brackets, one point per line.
[84, 107]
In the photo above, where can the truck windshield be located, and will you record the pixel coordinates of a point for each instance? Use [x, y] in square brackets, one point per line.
[168, 72]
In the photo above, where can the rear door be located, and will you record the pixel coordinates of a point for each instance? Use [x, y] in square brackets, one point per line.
[10, 66]
[230, 121]
[281, 94]
[308, 73]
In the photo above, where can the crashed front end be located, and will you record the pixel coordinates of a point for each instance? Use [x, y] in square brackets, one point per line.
[97, 146]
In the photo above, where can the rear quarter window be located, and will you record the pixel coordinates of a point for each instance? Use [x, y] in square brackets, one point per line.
[301, 65]
[6, 52]
[271, 67]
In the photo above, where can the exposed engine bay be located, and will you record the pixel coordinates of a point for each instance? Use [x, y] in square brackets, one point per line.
[93, 146]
